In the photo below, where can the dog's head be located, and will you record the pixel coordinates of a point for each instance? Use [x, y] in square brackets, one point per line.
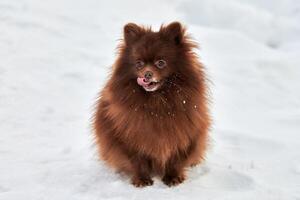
[152, 57]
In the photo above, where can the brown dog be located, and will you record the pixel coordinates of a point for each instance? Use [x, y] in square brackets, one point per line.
[152, 116]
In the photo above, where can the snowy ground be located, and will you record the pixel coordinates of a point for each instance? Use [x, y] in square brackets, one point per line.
[54, 58]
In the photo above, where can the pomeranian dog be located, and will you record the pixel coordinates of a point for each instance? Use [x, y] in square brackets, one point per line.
[152, 117]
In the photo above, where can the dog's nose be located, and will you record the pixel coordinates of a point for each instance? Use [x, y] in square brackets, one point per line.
[148, 75]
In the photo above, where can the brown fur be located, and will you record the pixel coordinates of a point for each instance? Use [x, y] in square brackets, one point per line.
[154, 133]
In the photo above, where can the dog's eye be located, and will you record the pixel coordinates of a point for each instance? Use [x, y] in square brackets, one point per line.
[160, 64]
[139, 64]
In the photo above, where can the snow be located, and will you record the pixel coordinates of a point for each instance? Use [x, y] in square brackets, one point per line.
[55, 56]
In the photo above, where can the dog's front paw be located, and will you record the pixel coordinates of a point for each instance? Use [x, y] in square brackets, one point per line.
[171, 180]
[141, 182]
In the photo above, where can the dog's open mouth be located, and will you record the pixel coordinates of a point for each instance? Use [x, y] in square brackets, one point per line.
[148, 85]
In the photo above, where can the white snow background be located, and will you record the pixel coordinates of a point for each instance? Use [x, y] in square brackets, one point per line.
[55, 56]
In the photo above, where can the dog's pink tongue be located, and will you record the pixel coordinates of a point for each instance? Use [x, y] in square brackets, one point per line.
[142, 81]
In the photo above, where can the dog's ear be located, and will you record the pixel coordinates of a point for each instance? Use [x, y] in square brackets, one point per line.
[174, 31]
[132, 32]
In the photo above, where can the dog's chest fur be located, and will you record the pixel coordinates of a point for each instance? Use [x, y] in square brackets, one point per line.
[158, 129]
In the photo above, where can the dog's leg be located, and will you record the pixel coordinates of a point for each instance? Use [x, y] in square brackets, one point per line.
[175, 168]
[174, 172]
[142, 174]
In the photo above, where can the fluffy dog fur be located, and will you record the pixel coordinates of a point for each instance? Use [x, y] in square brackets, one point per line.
[162, 132]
